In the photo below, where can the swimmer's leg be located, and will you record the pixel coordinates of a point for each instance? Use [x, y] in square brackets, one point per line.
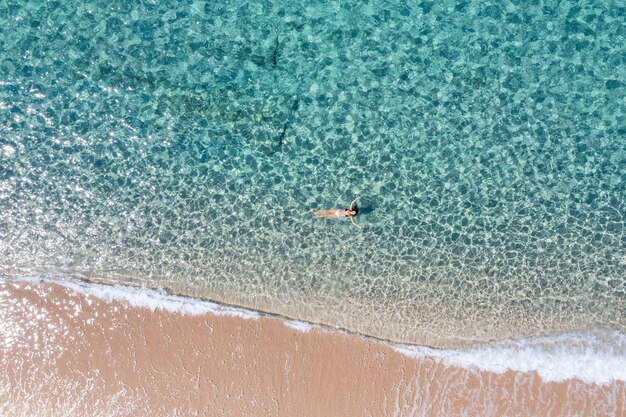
[324, 216]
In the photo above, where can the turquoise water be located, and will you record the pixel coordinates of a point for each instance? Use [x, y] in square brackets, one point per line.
[183, 145]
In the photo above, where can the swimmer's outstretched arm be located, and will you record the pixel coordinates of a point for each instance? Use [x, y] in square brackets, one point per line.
[352, 204]
[353, 222]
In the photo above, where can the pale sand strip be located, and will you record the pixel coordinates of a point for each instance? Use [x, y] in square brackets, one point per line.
[66, 354]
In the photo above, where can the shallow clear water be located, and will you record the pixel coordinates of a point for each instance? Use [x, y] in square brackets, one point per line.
[183, 145]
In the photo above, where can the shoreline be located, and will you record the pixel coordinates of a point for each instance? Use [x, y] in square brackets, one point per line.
[72, 281]
[110, 358]
[428, 339]
[466, 355]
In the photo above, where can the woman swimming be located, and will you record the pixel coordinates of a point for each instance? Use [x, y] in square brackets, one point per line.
[339, 213]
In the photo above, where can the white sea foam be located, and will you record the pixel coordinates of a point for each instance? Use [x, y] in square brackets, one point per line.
[301, 326]
[597, 356]
[150, 299]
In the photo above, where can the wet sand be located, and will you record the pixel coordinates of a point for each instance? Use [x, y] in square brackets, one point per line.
[68, 354]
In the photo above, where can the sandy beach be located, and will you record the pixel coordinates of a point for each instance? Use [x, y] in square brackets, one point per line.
[65, 353]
